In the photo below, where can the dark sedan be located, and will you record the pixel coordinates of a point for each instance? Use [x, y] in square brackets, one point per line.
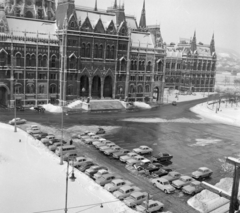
[161, 172]
[85, 166]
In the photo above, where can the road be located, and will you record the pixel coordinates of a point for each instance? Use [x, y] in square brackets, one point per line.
[193, 141]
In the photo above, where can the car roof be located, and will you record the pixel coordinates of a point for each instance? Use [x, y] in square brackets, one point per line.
[126, 187]
[162, 179]
[204, 168]
[174, 172]
[185, 177]
[108, 175]
[150, 202]
[137, 193]
[196, 182]
[143, 146]
[118, 181]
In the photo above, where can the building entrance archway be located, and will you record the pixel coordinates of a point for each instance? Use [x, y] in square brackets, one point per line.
[84, 86]
[107, 89]
[3, 96]
[96, 87]
[156, 94]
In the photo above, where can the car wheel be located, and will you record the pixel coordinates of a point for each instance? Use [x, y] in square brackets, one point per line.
[154, 184]
[161, 209]
[165, 191]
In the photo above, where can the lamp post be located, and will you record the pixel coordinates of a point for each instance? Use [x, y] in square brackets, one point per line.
[61, 157]
[72, 178]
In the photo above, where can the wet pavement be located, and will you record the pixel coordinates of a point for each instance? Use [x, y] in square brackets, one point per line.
[193, 141]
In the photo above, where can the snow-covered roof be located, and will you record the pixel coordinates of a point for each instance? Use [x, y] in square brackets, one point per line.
[131, 22]
[203, 51]
[173, 52]
[140, 39]
[32, 26]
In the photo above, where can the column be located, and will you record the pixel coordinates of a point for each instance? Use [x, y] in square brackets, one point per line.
[102, 85]
[90, 87]
[12, 74]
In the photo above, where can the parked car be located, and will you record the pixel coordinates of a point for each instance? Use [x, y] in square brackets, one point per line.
[122, 152]
[54, 146]
[174, 103]
[94, 169]
[55, 140]
[136, 159]
[46, 140]
[41, 135]
[100, 173]
[103, 143]
[33, 129]
[39, 108]
[129, 155]
[20, 108]
[104, 179]
[160, 172]
[84, 133]
[202, 172]
[95, 137]
[171, 176]
[135, 198]
[18, 121]
[143, 150]
[125, 191]
[193, 188]
[182, 181]
[151, 168]
[83, 137]
[88, 141]
[137, 167]
[69, 155]
[116, 184]
[91, 134]
[163, 185]
[85, 166]
[161, 157]
[81, 161]
[111, 150]
[150, 206]
[100, 131]
[105, 147]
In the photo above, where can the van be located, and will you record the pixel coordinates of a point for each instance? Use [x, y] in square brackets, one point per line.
[65, 150]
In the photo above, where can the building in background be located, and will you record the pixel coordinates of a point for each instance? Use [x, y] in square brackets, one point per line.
[54, 53]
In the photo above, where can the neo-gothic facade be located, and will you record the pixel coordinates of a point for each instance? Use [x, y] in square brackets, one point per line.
[56, 53]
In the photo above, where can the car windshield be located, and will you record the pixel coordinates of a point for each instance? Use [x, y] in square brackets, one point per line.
[200, 170]
[120, 190]
[165, 183]
[182, 179]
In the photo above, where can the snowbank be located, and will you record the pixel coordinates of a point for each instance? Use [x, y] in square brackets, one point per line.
[141, 105]
[227, 114]
[34, 181]
[75, 103]
[207, 201]
[52, 108]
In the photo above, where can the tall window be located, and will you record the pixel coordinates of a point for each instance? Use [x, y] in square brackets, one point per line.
[70, 90]
[100, 51]
[83, 50]
[53, 62]
[147, 88]
[30, 89]
[96, 51]
[41, 89]
[88, 51]
[40, 61]
[28, 61]
[18, 59]
[18, 89]
[135, 65]
[112, 52]
[123, 65]
[139, 89]
[149, 66]
[108, 52]
[73, 61]
[44, 61]
[53, 89]
[132, 89]
[132, 65]
[33, 61]
[160, 66]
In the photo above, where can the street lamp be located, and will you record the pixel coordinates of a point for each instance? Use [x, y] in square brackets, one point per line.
[72, 178]
[61, 157]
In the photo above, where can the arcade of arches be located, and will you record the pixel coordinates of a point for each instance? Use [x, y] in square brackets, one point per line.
[96, 87]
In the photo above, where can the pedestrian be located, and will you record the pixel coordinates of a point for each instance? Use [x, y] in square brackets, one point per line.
[71, 142]
[19, 140]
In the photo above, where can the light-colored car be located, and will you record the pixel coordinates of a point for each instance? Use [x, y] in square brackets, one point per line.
[18, 121]
[111, 150]
[94, 169]
[91, 134]
[182, 181]
[163, 185]
[33, 129]
[107, 178]
[193, 188]
[143, 150]
[47, 139]
[171, 176]
[122, 152]
[95, 137]
[80, 161]
[135, 159]
[125, 191]
[129, 155]
[136, 198]
[150, 206]
[202, 172]
[116, 184]
[103, 143]
[103, 148]
[88, 141]
[54, 146]
[100, 173]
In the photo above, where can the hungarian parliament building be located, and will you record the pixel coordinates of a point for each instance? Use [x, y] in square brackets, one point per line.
[57, 52]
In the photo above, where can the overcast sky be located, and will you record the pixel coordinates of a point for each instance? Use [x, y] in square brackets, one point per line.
[179, 18]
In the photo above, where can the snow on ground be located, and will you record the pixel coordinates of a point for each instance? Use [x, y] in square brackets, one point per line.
[141, 105]
[32, 179]
[207, 201]
[227, 114]
[75, 103]
[52, 108]
[205, 141]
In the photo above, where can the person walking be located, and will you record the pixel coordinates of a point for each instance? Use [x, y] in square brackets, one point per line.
[71, 142]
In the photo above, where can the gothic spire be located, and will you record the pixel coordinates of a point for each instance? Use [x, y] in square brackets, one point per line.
[115, 4]
[212, 45]
[194, 42]
[142, 23]
[95, 8]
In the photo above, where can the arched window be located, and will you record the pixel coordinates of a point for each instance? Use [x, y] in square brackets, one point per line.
[143, 65]
[112, 52]
[44, 61]
[40, 61]
[147, 88]
[132, 89]
[199, 66]
[160, 66]
[195, 66]
[72, 24]
[96, 51]
[83, 50]
[53, 89]
[139, 89]
[132, 65]
[30, 89]
[73, 61]
[29, 14]
[135, 65]
[108, 52]
[149, 66]
[18, 89]
[41, 89]
[88, 50]
[18, 59]
[33, 61]
[53, 62]
[188, 65]
[70, 90]
[28, 60]
[100, 51]
[123, 65]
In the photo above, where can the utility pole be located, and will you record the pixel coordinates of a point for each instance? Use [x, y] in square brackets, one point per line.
[234, 201]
